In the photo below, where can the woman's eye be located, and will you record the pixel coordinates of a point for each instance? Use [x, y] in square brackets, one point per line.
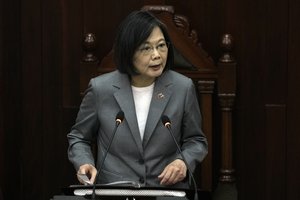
[162, 45]
[147, 49]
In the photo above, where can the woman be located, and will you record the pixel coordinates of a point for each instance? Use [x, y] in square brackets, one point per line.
[144, 88]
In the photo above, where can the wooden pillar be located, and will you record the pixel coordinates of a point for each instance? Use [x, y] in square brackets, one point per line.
[206, 88]
[226, 94]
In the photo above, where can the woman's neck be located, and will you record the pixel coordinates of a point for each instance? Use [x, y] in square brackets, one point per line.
[138, 81]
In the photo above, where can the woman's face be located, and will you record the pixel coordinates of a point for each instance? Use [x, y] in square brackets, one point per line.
[150, 59]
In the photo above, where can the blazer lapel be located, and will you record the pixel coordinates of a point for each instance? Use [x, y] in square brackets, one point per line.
[161, 95]
[125, 100]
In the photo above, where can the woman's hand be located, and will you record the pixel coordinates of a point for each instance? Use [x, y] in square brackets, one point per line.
[173, 173]
[89, 170]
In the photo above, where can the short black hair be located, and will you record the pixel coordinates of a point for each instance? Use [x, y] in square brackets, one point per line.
[132, 32]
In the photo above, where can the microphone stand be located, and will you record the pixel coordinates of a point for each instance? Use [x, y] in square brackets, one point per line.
[119, 119]
[167, 124]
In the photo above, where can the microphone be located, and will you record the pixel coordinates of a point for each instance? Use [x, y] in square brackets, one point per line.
[119, 120]
[167, 123]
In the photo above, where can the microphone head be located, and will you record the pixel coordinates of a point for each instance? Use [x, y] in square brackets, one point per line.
[120, 117]
[165, 120]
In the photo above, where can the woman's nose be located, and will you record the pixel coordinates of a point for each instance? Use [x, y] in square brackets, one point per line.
[155, 54]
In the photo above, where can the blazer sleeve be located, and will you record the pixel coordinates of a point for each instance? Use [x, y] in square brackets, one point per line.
[84, 131]
[194, 143]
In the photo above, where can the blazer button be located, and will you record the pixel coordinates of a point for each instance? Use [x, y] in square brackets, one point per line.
[141, 161]
[142, 180]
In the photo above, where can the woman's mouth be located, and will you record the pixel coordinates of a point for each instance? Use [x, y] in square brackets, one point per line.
[155, 66]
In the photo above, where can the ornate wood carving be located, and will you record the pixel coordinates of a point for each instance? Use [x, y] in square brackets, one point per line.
[206, 86]
[89, 62]
[184, 39]
[89, 47]
[227, 45]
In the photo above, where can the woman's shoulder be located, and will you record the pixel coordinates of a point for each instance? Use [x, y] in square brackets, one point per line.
[106, 77]
[177, 77]
[110, 78]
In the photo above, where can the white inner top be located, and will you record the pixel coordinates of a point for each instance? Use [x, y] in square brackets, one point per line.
[142, 98]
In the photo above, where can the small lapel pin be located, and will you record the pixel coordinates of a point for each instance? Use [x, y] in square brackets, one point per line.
[160, 95]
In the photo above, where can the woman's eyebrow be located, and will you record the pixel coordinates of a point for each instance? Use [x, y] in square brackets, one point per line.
[148, 42]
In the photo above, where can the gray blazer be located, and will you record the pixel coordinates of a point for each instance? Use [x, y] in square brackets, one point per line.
[129, 157]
